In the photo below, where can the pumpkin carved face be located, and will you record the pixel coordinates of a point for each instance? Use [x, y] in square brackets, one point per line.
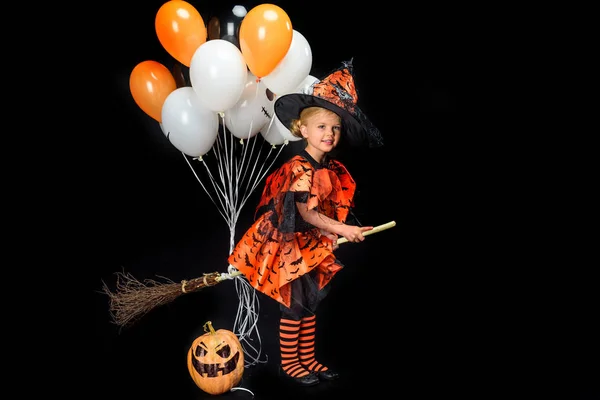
[215, 360]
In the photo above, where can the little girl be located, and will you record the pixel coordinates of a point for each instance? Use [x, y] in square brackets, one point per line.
[287, 253]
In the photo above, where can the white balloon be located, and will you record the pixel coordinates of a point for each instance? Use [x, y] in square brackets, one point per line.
[271, 133]
[188, 124]
[292, 68]
[252, 111]
[306, 85]
[218, 74]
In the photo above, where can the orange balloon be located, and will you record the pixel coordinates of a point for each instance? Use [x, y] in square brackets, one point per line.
[180, 30]
[265, 38]
[150, 83]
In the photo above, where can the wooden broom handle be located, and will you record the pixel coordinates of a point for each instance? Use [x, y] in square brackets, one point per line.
[375, 229]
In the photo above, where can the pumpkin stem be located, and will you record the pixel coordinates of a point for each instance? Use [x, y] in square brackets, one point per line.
[212, 330]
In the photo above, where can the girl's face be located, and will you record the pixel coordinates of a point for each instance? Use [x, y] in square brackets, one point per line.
[322, 132]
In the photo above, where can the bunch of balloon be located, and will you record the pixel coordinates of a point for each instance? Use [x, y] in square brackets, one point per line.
[190, 115]
[231, 86]
[164, 95]
[217, 75]
[223, 23]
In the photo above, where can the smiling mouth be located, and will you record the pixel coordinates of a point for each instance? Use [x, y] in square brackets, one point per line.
[212, 370]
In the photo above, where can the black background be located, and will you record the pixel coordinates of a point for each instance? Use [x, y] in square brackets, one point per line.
[440, 305]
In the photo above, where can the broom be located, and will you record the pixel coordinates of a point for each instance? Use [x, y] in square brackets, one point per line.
[133, 299]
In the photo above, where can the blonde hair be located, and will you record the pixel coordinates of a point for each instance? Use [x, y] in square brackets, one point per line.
[304, 116]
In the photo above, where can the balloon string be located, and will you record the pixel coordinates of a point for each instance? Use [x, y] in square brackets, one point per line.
[238, 175]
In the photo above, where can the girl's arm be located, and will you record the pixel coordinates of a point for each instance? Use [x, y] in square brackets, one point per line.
[351, 232]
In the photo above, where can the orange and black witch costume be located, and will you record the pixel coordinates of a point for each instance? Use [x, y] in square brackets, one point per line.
[280, 246]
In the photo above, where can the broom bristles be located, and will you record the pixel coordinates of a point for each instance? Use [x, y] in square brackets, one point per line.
[133, 299]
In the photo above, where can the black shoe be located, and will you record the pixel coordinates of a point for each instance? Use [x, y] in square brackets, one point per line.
[307, 380]
[328, 375]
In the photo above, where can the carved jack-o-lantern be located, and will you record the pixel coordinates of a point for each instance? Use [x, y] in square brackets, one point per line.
[215, 360]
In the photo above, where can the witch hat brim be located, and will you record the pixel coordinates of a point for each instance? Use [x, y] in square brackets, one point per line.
[336, 93]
